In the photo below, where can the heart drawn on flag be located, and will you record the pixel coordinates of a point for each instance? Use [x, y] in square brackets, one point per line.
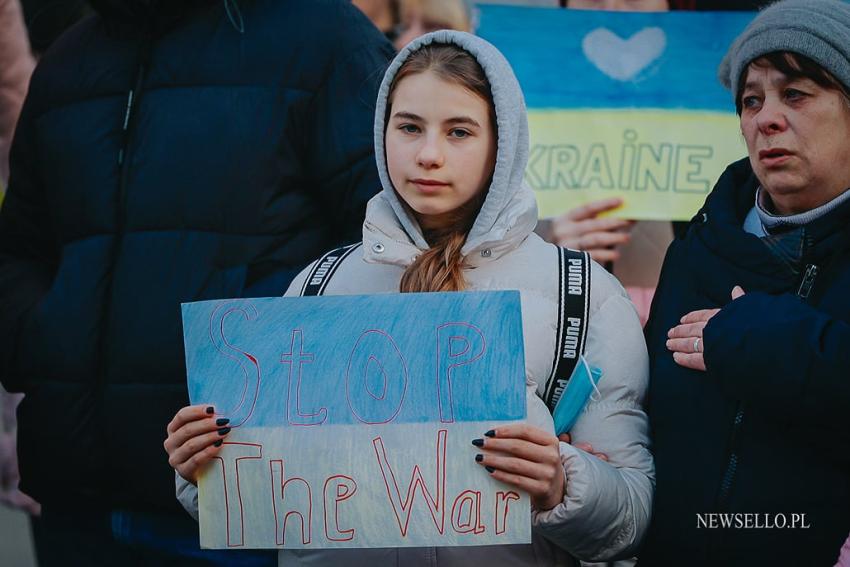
[622, 59]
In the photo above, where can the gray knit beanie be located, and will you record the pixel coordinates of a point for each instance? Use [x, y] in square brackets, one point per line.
[817, 29]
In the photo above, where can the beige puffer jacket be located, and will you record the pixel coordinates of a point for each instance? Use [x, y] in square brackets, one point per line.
[607, 505]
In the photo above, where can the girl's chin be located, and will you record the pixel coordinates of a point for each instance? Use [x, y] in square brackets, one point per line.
[428, 209]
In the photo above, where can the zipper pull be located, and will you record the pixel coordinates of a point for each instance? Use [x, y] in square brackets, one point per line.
[127, 112]
[808, 281]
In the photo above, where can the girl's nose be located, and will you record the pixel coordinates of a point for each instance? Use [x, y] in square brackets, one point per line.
[430, 155]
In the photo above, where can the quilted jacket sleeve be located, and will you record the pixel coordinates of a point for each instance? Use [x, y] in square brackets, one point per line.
[776, 350]
[606, 509]
[187, 495]
[340, 151]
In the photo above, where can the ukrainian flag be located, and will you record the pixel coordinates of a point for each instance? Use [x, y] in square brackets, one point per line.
[622, 104]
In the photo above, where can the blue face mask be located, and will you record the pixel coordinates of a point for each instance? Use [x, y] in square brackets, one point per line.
[580, 389]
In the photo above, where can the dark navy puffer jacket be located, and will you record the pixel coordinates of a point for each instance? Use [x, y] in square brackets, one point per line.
[764, 430]
[162, 160]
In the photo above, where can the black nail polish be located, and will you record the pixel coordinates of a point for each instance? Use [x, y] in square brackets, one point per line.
[478, 442]
[489, 469]
[222, 421]
[479, 457]
[210, 410]
[218, 443]
[224, 431]
[491, 433]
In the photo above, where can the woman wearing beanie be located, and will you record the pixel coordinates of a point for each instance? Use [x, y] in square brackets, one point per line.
[749, 334]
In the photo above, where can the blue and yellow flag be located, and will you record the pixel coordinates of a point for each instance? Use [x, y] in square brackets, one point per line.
[622, 105]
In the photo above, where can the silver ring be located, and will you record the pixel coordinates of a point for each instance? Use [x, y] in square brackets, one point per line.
[696, 344]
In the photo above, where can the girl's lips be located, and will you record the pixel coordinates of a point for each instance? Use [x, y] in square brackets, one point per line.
[428, 186]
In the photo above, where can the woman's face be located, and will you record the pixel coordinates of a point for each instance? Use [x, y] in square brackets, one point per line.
[441, 147]
[414, 24]
[620, 5]
[419, 17]
[798, 138]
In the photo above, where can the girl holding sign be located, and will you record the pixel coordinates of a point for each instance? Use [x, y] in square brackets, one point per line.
[451, 141]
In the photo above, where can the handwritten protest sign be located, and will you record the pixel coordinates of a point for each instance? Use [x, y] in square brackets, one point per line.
[352, 419]
[622, 104]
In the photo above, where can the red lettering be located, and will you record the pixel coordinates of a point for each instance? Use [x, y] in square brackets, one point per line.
[229, 459]
[404, 508]
[301, 502]
[502, 501]
[376, 378]
[344, 488]
[472, 522]
[250, 371]
[459, 339]
[296, 357]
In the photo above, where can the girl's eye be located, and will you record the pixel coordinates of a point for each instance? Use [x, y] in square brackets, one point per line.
[459, 133]
[409, 128]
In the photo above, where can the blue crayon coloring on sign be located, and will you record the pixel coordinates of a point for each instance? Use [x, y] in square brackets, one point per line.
[397, 358]
[340, 406]
[595, 59]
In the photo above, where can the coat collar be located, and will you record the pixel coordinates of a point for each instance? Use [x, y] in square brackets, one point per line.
[387, 241]
[720, 226]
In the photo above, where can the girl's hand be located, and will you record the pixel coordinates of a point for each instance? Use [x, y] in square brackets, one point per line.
[195, 436]
[526, 457]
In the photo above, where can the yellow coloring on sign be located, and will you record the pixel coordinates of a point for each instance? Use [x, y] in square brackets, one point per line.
[662, 163]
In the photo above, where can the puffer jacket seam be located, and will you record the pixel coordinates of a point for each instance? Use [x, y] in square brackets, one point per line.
[156, 230]
[63, 105]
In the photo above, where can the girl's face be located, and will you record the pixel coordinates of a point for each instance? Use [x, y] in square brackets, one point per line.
[441, 147]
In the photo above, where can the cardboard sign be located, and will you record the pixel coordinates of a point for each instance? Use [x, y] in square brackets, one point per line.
[353, 418]
[622, 105]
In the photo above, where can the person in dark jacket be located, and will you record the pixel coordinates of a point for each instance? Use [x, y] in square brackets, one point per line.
[167, 152]
[749, 335]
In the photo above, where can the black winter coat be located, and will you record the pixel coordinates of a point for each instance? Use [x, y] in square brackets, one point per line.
[160, 161]
[765, 429]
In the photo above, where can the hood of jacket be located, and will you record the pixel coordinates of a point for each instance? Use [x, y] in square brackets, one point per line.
[509, 213]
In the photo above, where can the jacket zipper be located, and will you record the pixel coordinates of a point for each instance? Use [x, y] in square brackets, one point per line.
[123, 152]
[803, 292]
[808, 281]
[123, 160]
[732, 461]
